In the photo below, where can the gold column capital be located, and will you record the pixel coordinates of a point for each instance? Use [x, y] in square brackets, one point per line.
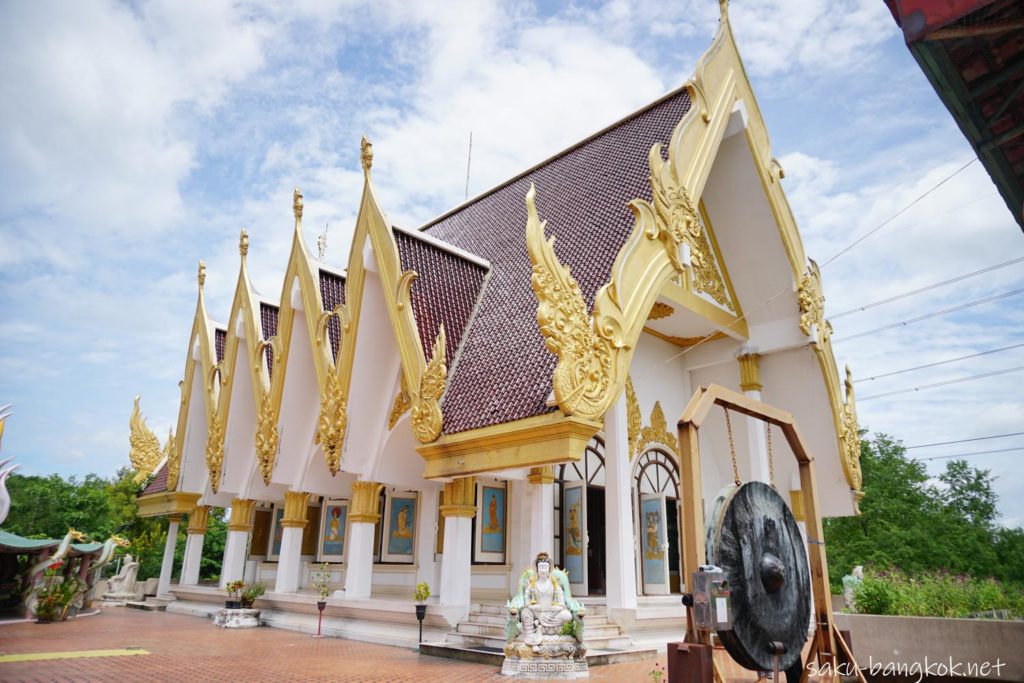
[242, 512]
[174, 517]
[541, 475]
[295, 503]
[198, 518]
[365, 506]
[460, 498]
[750, 372]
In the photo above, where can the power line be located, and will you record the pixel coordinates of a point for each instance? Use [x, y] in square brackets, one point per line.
[925, 289]
[942, 384]
[898, 213]
[964, 455]
[941, 362]
[977, 438]
[926, 221]
[934, 314]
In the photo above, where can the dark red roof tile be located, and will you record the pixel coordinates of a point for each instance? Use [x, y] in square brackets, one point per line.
[332, 293]
[445, 291]
[504, 372]
[159, 483]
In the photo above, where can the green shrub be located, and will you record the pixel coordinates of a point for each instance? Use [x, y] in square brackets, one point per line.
[935, 594]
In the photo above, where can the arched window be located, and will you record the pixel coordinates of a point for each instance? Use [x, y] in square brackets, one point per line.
[589, 468]
[657, 472]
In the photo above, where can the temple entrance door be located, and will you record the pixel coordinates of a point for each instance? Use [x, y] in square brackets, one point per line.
[654, 544]
[574, 534]
[595, 541]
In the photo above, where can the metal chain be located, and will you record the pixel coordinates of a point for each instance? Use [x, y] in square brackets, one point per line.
[732, 448]
[771, 455]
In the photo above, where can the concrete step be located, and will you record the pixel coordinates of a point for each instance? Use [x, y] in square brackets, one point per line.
[499, 620]
[480, 641]
[147, 605]
[495, 656]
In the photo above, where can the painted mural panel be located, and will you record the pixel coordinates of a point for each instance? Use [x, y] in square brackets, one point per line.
[401, 528]
[653, 531]
[278, 530]
[493, 531]
[332, 531]
[573, 534]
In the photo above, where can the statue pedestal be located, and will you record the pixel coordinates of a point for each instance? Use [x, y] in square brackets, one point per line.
[237, 618]
[555, 658]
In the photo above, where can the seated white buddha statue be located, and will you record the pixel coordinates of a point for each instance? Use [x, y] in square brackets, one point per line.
[123, 583]
[543, 605]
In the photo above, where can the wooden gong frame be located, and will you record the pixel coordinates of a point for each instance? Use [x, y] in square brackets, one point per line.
[826, 635]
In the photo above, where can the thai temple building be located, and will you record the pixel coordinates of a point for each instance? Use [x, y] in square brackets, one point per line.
[506, 378]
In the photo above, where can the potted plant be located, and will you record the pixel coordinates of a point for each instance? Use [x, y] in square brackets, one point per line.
[321, 582]
[250, 592]
[54, 595]
[420, 596]
[234, 590]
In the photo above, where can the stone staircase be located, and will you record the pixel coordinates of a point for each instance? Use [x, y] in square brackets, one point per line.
[481, 638]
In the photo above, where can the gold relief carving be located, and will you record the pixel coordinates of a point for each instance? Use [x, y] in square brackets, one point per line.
[850, 441]
[582, 379]
[676, 219]
[812, 304]
[460, 498]
[267, 436]
[243, 510]
[198, 518]
[401, 404]
[365, 505]
[341, 313]
[426, 411]
[657, 433]
[541, 475]
[634, 422]
[330, 432]
[295, 505]
[659, 311]
[706, 276]
[685, 342]
[750, 372]
[144, 445]
[215, 453]
[173, 457]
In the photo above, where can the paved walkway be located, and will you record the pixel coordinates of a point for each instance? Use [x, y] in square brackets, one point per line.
[185, 648]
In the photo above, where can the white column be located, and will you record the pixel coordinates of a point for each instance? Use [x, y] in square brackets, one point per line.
[426, 538]
[457, 562]
[363, 515]
[164, 585]
[541, 511]
[757, 447]
[289, 562]
[619, 540]
[237, 544]
[359, 565]
[192, 560]
[190, 564]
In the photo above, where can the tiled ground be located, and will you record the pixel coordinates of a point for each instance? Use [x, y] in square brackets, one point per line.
[184, 648]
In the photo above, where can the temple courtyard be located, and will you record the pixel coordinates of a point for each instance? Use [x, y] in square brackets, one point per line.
[119, 644]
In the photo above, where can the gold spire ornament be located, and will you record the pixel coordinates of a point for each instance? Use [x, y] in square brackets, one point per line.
[243, 243]
[366, 155]
[634, 422]
[297, 206]
[657, 433]
[145, 446]
[426, 411]
[201, 275]
[330, 430]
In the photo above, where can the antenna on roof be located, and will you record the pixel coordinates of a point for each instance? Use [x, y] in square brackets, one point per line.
[469, 160]
[321, 242]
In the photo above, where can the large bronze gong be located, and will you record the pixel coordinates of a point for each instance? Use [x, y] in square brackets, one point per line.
[753, 537]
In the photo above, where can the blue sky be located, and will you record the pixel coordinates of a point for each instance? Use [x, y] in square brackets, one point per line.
[137, 138]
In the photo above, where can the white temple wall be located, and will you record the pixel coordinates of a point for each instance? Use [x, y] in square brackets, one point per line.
[300, 408]
[240, 431]
[193, 454]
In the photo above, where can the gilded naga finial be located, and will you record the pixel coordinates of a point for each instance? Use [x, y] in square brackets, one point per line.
[202, 274]
[366, 154]
[297, 205]
[243, 243]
